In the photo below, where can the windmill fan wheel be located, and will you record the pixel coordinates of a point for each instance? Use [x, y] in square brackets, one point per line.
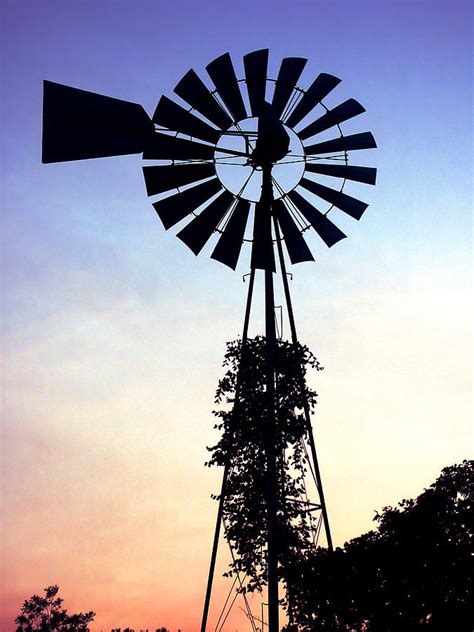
[211, 152]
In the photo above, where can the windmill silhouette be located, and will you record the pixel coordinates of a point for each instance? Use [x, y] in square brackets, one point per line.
[225, 157]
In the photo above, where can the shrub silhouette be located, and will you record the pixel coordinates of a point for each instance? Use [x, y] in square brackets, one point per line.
[415, 571]
[242, 420]
[46, 614]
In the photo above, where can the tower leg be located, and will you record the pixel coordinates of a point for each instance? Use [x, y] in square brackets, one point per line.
[215, 546]
[309, 428]
[220, 511]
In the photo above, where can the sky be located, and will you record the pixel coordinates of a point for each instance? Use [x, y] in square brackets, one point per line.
[114, 333]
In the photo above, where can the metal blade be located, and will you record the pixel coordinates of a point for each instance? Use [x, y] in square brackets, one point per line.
[346, 203]
[228, 247]
[263, 256]
[164, 178]
[294, 240]
[164, 146]
[357, 174]
[255, 65]
[365, 140]
[78, 125]
[197, 232]
[195, 92]
[171, 115]
[222, 73]
[342, 112]
[173, 208]
[290, 71]
[328, 231]
[321, 87]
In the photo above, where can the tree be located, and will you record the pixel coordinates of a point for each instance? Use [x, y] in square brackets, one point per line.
[243, 402]
[45, 614]
[414, 571]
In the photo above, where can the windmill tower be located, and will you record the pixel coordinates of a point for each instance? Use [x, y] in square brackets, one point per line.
[231, 159]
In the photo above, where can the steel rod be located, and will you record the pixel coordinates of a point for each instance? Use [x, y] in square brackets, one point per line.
[248, 307]
[271, 475]
[307, 412]
[220, 510]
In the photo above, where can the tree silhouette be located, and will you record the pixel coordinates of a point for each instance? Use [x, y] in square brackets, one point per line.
[415, 571]
[243, 402]
[45, 614]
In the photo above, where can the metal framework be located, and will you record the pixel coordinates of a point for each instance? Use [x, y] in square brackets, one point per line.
[189, 146]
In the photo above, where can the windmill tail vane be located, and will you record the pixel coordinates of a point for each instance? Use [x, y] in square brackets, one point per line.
[232, 162]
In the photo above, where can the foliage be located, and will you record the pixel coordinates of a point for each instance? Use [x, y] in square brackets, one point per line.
[243, 422]
[414, 571]
[45, 614]
[162, 629]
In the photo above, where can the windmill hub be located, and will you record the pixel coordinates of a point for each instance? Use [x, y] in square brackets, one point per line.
[273, 140]
[235, 172]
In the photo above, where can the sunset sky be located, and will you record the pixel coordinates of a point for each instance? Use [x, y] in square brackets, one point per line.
[114, 333]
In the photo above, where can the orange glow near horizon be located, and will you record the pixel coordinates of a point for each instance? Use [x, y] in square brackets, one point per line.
[108, 497]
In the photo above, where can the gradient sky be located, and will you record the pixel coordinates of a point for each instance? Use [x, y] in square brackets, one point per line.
[114, 333]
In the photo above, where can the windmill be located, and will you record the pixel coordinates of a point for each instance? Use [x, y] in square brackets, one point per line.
[222, 157]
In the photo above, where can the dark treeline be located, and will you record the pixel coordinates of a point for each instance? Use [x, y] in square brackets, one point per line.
[140, 630]
[46, 614]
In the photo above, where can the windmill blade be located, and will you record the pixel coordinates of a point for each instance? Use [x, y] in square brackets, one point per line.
[255, 66]
[295, 243]
[328, 231]
[200, 229]
[222, 73]
[195, 92]
[339, 114]
[262, 247]
[228, 247]
[367, 175]
[78, 125]
[171, 115]
[321, 87]
[166, 147]
[346, 203]
[365, 140]
[175, 207]
[290, 71]
[164, 178]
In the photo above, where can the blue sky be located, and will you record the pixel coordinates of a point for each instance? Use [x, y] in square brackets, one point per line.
[114, 332]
